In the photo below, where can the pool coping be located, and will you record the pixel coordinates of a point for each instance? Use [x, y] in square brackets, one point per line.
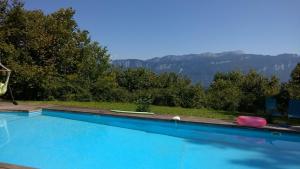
[12, 166]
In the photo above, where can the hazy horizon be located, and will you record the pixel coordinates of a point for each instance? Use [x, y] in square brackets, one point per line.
[205, 53]
[143, 29]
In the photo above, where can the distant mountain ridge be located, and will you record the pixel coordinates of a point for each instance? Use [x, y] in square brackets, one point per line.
[202, 67]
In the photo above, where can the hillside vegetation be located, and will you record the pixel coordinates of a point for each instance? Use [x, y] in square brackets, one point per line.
[201, 68]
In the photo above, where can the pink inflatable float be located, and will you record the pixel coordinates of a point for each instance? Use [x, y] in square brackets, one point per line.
[251, 121]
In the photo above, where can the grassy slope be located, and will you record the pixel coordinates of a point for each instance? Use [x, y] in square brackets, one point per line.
[206, 113]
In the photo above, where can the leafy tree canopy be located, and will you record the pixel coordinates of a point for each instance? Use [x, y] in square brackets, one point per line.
[49, 55]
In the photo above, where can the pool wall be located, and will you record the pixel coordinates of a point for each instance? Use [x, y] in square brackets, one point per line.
[187, 130]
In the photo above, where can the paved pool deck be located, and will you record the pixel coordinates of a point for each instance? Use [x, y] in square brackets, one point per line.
[7, 107]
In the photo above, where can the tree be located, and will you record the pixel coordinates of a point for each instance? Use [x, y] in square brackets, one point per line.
[255, 88]
[245, 92]
[192, 96]
[223, 95]
[136, 79]
[50, 56]
[235, 77]
[172, 90]
[294, 83]
[106, 88]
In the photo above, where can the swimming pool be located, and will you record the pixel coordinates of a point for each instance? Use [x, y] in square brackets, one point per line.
[56, 139]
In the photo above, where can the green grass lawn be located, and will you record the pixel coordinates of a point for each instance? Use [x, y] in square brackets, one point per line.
[205, 113]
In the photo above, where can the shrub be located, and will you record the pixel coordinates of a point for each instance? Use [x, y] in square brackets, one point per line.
[143, 103]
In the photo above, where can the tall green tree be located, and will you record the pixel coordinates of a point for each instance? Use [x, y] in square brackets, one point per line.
[50, 56]
[238, 91]
[136, 79]
[223, 95]
[255, 88]
[294, 83]
[192, 96]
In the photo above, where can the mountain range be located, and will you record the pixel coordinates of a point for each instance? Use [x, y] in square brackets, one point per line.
[200, 68]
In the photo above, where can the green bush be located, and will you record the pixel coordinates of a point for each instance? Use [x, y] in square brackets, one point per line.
[143, 104]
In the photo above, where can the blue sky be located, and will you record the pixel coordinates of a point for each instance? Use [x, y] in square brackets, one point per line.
[152, 28]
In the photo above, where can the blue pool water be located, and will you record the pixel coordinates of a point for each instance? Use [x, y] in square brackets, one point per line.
[65, 140]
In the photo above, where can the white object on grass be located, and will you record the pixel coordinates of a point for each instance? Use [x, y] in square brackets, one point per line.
[131, 112]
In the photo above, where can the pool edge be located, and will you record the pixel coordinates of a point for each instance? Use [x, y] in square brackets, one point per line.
[13, 166]
[184, 119]
[193, 120]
